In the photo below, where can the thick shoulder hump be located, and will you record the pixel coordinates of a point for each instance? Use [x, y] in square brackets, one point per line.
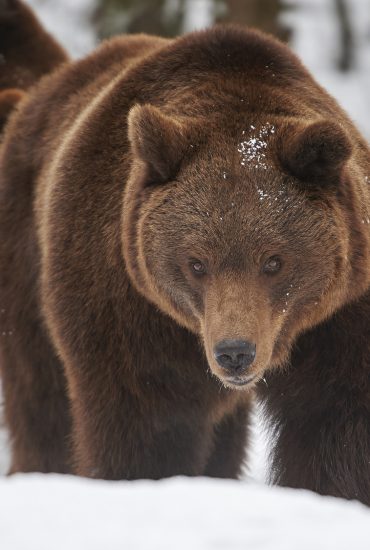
[225, 49]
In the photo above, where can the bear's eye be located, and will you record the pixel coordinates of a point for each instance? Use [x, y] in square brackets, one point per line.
[197, 267]
[272, 265]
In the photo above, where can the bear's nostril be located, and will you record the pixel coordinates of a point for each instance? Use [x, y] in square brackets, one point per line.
[223, 359]
[235, 355]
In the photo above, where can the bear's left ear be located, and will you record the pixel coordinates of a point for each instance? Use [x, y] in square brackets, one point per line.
[315, 153]
[157, 139]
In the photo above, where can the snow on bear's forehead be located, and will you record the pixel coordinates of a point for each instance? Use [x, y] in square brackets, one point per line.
[254, 178]
[253, 147]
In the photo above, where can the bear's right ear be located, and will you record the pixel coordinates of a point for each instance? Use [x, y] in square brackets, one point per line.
[158, 140]
[315, 153]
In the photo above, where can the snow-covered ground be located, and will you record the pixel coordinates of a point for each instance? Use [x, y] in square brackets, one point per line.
[60, 512]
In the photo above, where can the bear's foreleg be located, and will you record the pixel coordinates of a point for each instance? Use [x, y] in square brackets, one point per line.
[117, 436]
[230, 443]
[320, 410]
[36, 407]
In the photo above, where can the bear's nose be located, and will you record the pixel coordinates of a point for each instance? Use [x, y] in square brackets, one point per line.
[235, 355]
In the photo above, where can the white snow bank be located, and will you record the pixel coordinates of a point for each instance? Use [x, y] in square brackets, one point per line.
[39, 512]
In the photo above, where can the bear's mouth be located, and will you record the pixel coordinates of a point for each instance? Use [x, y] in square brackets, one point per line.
[239, 380]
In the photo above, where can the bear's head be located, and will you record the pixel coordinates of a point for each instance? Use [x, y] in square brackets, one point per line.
[240, 232]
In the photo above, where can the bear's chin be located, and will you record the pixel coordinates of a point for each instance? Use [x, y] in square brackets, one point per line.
[240, 382]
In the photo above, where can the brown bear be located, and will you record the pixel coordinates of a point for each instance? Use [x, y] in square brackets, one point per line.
[182, 219]
[27, 52]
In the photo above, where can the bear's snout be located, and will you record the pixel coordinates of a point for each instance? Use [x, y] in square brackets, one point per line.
[235, 356]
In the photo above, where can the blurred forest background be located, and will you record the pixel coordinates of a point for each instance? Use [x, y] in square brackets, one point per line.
[173, 17]
[331, 36]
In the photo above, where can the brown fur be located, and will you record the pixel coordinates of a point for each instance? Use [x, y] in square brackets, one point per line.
[8, 101]
[27, 51]
[117, 174]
